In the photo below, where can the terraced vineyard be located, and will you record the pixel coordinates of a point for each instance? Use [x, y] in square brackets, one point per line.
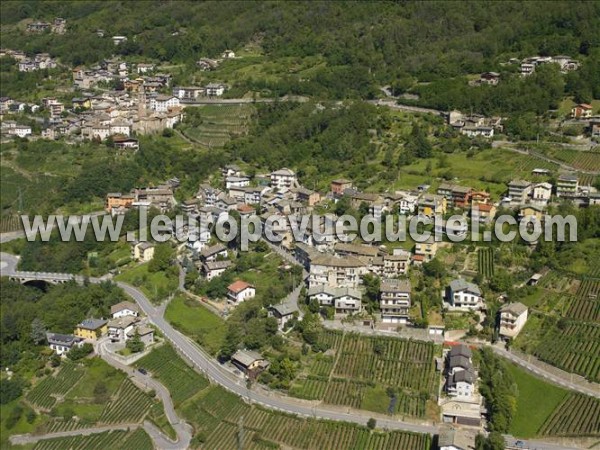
[485, 262]
[364, 363]
[583, 160]
[220, 123]
[181, 380]
[131, 405]
[44, 394]
[116, 440]
[577, 415]
[576, 348]
[586, 303]
[217, 414]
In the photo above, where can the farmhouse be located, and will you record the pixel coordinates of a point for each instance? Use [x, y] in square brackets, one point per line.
[581, 111]
[249, 362]
[512, 319]
[143, 251]
[283, 314]
[239, 290]
[62, 343]
[215, 89]
[124, 309]
[462, 295]
[214, 252]
[91, 328]
[213, 269]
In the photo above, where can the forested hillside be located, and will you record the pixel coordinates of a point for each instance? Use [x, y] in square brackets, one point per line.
[359, 48]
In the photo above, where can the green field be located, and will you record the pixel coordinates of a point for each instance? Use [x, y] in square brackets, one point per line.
[485, 262]
[156, 285]
[536, 401]
[197, 322]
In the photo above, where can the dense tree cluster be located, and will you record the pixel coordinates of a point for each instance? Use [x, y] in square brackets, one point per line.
[363, 46]
[27, 312]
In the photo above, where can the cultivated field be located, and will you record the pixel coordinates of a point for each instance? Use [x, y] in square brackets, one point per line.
[117, 439]
[220, 124]
[181, 380]
[44, 394]
[577, 415]
[485, 262]
[218, 416]
[576, 348]
[363, 370]
[585, 305]
[131, 405]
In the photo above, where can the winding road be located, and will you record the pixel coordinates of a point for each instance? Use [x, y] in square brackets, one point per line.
[218, 374]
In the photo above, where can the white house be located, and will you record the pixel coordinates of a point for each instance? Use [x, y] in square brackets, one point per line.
[62, 343]
[236, 181]
[20, 130]
[512, 319]
[282, 313]
[213, 269]
[214, 252]
[461, 376]
[334, 271]
[462, 295]
[117, 40]
[228, 54]
[283, 180]
[119, 328]
[215, 89]
[239, 290]
[163, 103]
[124, 309]
[541, 192]
[344, 300]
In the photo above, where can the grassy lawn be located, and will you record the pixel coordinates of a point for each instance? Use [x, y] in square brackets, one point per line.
[376, 399]
[96, 371]
[194, 320]
[156, 285]
[535, 402]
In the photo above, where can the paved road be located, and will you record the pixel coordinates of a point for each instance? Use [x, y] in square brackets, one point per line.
[183, 430]
[511, 443]
[214, 371]
[218, 374]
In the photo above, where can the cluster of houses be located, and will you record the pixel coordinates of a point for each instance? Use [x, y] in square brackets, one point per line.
[39, 61]
[160, 197]
[533, 198]
[124, 324]
[57, 26]
[529, 64]
[474, 125]
[191, 93]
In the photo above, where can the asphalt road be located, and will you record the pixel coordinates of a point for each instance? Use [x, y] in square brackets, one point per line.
[272, 400]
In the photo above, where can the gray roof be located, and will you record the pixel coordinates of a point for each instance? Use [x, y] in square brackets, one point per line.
[216, 265]
[462, 350]
[92, 324]
[462, 375]
[460, 361]
[213, 250]
[284, 309]
[334, 292]
[462, 285]
[246, 357]
[62, 339]
[516, 308]
[366, 250]
[393, 285]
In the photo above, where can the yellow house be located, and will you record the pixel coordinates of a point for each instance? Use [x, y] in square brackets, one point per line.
[531, 210]
[91, 328]
[143, 251]
[430, 205]
[427, 249]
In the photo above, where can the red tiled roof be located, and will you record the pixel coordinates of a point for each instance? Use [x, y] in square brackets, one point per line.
[238, 286]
